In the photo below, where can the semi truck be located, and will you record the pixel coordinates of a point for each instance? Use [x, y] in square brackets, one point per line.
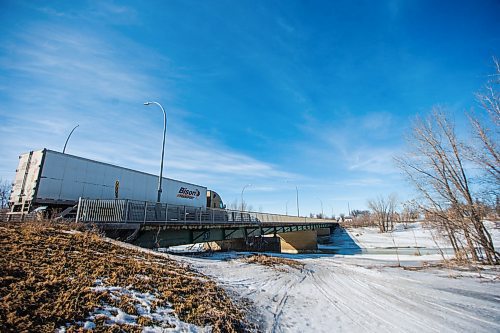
[53, 181]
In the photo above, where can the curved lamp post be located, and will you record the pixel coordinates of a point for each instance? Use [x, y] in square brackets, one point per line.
[162, 147]
[242, 190]
[322, 214]
[74, 128]
[298, 211]
[297, 192]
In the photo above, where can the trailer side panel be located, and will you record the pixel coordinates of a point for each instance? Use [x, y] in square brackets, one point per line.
[65, 178]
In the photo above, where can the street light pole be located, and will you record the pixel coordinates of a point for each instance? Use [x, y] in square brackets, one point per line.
[298, 211]
[297, 191]
[242, 190]
[74, 128]
[162, 147]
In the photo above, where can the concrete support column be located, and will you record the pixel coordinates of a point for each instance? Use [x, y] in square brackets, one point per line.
[270, 244]
[323, 232]
[299, 241]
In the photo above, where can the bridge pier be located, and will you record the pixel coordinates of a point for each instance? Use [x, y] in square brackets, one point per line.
[299, 241]
[258, 244]
[323, 232]
[323, 235]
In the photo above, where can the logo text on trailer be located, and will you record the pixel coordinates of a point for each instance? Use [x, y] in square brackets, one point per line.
[188, 194]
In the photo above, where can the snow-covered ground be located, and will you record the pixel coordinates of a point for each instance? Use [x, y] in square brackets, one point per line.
[410, 235]
[363, 290]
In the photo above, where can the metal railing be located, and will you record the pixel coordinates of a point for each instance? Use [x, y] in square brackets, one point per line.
[132, 211]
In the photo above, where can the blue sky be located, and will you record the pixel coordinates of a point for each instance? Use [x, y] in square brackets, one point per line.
[276, 94]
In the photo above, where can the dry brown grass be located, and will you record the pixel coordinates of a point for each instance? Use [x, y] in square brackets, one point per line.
[48, 272]
[274, 262]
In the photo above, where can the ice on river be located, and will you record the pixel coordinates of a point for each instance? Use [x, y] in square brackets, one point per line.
[364, 292]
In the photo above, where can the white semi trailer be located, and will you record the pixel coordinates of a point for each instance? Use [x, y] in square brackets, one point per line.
[57, 180]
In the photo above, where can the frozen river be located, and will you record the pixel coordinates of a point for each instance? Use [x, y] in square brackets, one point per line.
[364, 290]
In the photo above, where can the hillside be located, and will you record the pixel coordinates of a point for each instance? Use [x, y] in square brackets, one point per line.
[57, 278]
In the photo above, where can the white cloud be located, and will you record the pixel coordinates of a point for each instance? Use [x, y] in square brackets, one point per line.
[377, 121]
[61, 77]
[373, 160]
[357, 144]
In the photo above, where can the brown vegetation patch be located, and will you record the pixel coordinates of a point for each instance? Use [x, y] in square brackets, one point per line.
[49, 275]
[273, 262]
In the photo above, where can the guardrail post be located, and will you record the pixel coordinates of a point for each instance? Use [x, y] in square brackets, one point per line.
[145, 211]
[93, 214]
[126, 210]
[78, 210]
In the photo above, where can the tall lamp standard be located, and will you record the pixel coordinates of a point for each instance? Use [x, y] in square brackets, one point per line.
[297, 190]
[322, 214]
[162, 147]
[74, 128]
[242, 190]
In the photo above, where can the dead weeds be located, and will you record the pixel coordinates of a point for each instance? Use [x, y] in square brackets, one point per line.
[277, 263]
[49, 273]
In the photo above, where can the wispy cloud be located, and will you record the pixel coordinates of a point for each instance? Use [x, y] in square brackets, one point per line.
[372, 160]
[354, 143]
[377, 121]
[61, 77]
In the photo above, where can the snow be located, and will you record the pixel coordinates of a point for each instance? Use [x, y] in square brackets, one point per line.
[412, 235]
[364, 288]
[164, 318]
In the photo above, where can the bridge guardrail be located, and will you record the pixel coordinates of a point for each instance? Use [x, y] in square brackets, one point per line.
[133, 211]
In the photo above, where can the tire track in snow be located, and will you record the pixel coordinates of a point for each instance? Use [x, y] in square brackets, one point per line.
[317, 282]
[340, 277]
[388, 305]
[278, 311]
[462, 313]
[366, 294]
[419, 298]
[431, 309]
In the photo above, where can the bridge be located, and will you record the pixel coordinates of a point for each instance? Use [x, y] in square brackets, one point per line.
[151, 224]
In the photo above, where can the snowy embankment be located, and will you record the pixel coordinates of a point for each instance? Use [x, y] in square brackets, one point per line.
[360, 291]
[54, 278]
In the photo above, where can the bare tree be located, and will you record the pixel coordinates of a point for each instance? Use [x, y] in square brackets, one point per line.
[356, 213]
[435, 164]
[362, 218]
[410, 212]
[383, 209]
[5, 188]
[486, 126]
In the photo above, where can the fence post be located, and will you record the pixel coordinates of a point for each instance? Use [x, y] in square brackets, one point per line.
[126, 211]
[79, 207]
[166, 213]
[93, 206]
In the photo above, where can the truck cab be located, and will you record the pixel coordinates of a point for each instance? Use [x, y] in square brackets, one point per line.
[214, 200]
